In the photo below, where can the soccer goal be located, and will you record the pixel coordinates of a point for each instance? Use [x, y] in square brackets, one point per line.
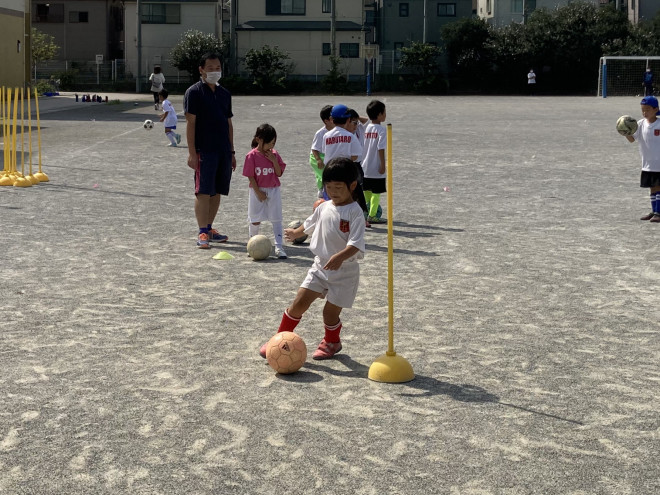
[624, 76]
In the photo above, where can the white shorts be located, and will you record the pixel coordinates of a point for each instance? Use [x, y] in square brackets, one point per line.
[339, 286]
[270, 210]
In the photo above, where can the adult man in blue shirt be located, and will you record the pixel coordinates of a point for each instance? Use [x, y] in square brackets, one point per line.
[210, 135]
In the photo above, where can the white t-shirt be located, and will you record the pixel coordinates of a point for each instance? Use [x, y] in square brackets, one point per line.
[335, 227]
[171, 119]
[317, 142]
[339, 142]
[375, 138]
[531, 77]
[157, 81]
[648, 137]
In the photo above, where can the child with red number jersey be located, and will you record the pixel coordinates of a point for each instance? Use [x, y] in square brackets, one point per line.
[337, 229]
[264, 167]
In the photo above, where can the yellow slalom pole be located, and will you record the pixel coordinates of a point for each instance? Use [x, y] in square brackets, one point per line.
[5, 180]
[20, 180]
[33, 180]
[40, 175]
[390, 368]
[29, 111]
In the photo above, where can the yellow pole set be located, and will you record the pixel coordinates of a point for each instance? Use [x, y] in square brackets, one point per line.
[9, 103]
[390, 368]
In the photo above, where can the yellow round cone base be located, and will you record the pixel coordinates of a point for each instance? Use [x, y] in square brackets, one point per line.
[42, 177]
[5, 180]
[390, 368]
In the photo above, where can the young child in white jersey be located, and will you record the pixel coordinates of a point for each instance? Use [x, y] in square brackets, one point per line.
[263, 167]
[337, 230]
[373, 161]
[168, 118]
[316, 156]
[648, 137]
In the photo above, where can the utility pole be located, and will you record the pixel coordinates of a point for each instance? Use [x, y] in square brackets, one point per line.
[233, 49]
[333, 29]
[138, 77]
[424, 28]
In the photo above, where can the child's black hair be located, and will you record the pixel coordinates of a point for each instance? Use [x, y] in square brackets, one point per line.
[265, 132]
[353, 114]
[340, 121]
[375, 108]
[340, 170]
[325, 112]
[163, 93]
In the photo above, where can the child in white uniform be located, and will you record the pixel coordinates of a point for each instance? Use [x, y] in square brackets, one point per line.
[316, 157]
[337, 229]
[263, 167]
[168, 118]
[648, 136]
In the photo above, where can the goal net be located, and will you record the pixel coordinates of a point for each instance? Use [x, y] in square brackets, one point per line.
[624, 76]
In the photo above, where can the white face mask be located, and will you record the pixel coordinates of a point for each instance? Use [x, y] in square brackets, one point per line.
[213, 77]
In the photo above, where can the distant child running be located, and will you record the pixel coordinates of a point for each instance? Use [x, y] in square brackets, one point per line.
[168, 118]
[264, 167]
[648, 137]
[316, 155]
[373, 161]
[337, 229]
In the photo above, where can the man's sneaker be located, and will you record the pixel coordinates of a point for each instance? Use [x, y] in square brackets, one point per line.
[262, 350]
[203, 241]
[280, 253]
[155, 106]
[656, 218]
[172, 145]
[648, 217]
[178, 138]
[326, 350]
[376, 220]
[216, 236]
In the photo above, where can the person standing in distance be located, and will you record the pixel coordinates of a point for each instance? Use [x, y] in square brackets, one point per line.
[531, 81]
[210, 135]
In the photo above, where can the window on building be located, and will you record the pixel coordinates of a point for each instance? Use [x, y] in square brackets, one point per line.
[78, 16]
[285, 7]
[530, 5]
[349, 50]
[326, 49]
[161, 13]
[446, 10]
[370, 18]
[326, 6]
[403, 10]
[397, 49]
[516, 6]
[488, 7]
[49, 12]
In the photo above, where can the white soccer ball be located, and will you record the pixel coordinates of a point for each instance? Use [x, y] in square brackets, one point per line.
[258, 247]
[294, 225]
[148, 124]
[626, 125]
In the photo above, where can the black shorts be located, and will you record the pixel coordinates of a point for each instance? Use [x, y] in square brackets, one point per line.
[213, 174]
[376, 186]
[648, 179]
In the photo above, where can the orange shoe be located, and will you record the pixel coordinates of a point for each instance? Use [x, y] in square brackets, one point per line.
[203, 241]
[326, 350]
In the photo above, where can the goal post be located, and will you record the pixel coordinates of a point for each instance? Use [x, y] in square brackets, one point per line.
[624, 76]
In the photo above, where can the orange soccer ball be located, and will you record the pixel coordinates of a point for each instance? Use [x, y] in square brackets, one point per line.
[286, 352]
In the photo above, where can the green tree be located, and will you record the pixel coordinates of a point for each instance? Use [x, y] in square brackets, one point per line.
[43, 47]
[188, 52]
[335, 81]
[268, 67]
[423, 61]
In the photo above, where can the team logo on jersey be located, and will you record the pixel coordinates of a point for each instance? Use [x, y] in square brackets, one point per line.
[656, 132]
[344, 226]
[337, 140]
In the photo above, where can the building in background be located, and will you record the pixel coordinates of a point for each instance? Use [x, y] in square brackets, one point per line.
[14, 43]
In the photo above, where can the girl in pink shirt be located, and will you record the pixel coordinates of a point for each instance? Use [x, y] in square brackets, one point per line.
[263, 167]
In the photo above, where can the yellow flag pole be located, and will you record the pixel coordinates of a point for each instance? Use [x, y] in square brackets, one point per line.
[20, 180]
[39, 175]
[390, 368]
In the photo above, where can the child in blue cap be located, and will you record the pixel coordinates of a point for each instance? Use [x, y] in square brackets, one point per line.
[648, 137]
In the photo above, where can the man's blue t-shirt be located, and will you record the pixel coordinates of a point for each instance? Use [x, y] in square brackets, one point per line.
[212, 110]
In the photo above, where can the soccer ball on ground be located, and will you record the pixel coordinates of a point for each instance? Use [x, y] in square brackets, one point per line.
[626, 125]
[258, 247]
[148, 124]
[286, 352]
[294, 225]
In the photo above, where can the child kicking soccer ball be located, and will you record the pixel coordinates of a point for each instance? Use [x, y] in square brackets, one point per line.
[168, 118]
[337, 229]
[648, 137]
